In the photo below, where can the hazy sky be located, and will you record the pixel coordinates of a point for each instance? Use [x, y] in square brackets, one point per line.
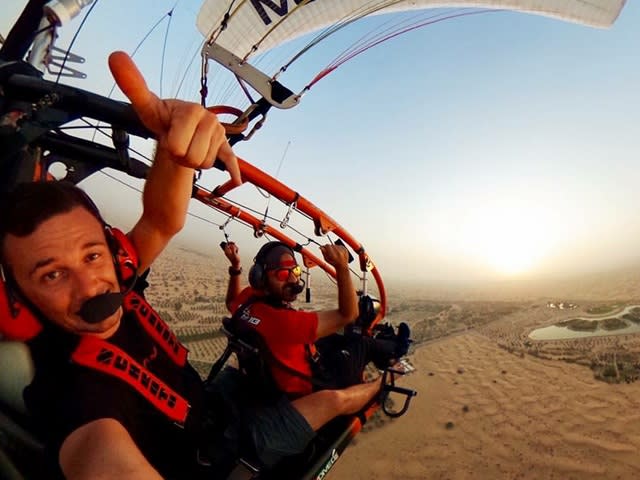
[472, 150]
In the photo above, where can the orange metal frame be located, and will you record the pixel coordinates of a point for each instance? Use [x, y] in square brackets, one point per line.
[323, 223]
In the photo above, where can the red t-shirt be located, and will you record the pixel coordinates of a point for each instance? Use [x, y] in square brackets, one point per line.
[286, 332]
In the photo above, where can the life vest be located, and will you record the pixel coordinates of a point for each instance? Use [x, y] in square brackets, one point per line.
[104, 357]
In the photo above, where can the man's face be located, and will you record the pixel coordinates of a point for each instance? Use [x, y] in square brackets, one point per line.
[282, 280]
[63, 263]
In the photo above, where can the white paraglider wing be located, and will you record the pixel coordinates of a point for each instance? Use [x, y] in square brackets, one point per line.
[254, 26]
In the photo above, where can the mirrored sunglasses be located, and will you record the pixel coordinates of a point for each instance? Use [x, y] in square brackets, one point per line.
[282, 273]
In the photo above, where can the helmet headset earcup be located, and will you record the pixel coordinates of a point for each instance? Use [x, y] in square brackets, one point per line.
[17, 321]
[125, 257]
[257, 276]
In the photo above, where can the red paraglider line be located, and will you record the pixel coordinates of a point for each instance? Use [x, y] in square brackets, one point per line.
[345, 58]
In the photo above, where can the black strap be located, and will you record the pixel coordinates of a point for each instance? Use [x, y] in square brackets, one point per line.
[217, 366]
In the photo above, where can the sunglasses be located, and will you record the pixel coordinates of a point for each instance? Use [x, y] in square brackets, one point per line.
[282, 273]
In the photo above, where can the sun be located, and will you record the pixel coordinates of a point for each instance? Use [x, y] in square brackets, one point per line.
[511, 253]
[509, 240]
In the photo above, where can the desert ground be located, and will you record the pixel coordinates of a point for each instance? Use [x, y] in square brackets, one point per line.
[492, 403]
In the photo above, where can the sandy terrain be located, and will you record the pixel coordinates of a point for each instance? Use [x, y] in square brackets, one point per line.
[527, 418]
[517, 409]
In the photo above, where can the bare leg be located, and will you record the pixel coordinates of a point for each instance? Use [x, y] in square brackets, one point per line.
[318, 408]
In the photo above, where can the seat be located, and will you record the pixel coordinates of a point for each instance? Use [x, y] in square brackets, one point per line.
[17, 370]
[330, 440]
[22, 454]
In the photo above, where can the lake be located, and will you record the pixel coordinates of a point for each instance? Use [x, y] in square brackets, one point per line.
[556, 332]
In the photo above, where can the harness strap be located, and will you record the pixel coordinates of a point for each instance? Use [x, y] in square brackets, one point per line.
[156, 328]
[100, 355]
[312, 352]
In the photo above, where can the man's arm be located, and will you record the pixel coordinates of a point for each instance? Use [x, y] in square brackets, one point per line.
[103, 449]
[189, 137]
[165, 201]
[333, 320]
[233, 287]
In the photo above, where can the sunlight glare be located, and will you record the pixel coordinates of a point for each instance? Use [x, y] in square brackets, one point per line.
[509, 240]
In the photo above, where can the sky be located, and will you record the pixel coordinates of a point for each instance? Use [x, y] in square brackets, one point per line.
[491, 147]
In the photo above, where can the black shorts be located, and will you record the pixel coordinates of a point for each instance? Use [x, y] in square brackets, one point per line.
[278, 431]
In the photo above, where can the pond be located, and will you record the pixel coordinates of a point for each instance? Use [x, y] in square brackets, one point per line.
[622, 323]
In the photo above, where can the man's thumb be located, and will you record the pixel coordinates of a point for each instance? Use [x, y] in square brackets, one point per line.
[131, 81]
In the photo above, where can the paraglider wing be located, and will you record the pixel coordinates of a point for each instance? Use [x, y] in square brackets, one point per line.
[236, 31]
[253, 26]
